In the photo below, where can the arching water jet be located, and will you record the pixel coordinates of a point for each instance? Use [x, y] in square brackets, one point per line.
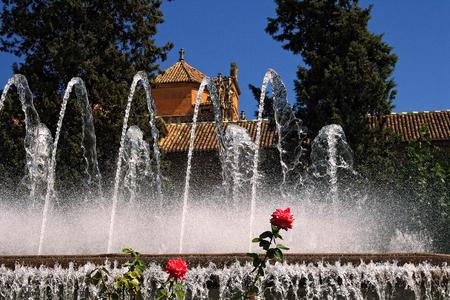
[137, 162]
[209, 84]
[38, 139]
[89, 147]
[141, 78]
[290, 136]
[238, 161]
[329, 153]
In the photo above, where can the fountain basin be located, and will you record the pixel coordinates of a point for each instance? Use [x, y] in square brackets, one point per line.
[222, 276]
[226, 259]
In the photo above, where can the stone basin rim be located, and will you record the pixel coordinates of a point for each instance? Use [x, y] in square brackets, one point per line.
[222, 259]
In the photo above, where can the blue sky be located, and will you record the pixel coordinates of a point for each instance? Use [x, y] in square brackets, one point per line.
[215, 33]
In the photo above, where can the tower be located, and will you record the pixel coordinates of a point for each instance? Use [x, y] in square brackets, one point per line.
[175, 93]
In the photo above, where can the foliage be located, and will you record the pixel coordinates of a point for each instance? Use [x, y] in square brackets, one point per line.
[346, 70]
[346, 74]
[171, 289]
[12, 135]
[268, 112]
[265, 241]
[128, 283]
[131, 280]
[417, 176]
[103, 42]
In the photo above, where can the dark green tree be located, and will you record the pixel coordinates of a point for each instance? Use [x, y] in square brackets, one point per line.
[414, 179]
[425, 174]
[103, 42]
[12, 153]
[268, 112]
[345, 71]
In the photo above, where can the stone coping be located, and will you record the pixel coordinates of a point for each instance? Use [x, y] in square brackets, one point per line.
[226, 259]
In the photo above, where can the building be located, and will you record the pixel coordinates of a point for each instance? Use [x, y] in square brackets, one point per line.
[408, 126]
[175, 93]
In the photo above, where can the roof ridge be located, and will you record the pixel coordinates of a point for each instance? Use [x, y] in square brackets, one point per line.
[418, 112]
[404, 113]
[182, 62]
[180, 71]
[213, 122]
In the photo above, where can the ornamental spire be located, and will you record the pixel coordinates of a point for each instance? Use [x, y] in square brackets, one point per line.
[181, 54]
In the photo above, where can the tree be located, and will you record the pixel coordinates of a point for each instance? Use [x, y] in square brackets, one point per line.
[268, 112]
[414, 179]
[424, 181]
[103, 42]
[346, 71]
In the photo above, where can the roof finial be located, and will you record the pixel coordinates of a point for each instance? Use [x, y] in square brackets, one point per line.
[181, 54]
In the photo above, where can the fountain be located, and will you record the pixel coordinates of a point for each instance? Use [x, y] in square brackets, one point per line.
[211, 222]
[330, 153]
[290, 133]
[38, 139]
[237, 163]
[209, 84]
[38, 164]
[315, 280]
[89, 147]
[137, 162]
[141, 78]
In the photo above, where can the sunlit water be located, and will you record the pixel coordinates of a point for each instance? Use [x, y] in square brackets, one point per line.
[217, 220]
[282, 281]
[212, 225]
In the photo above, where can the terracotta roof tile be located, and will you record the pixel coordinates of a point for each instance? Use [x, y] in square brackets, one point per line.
[408, 125]
[178, 135]
[180, 72]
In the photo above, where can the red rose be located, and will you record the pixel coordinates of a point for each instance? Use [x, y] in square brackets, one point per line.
[282, 218]
[176, 268]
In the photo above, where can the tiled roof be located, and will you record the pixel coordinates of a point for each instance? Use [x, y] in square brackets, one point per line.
[180, 72]
[408, 125]
[178, 135]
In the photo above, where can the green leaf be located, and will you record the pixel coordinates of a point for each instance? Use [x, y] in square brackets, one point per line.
[271, 253]
[134, 275]
[256, 240]
[277, 235]
[266, 234]
[127, 250]
[278, 254]
[179, 291]
[256, 262]
[252, 255]
[135, 282]
[264, 244]
[115, 296]
[162, 294]
[282, 247]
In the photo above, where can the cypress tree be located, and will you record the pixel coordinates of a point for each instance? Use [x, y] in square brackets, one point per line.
[344, 72]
